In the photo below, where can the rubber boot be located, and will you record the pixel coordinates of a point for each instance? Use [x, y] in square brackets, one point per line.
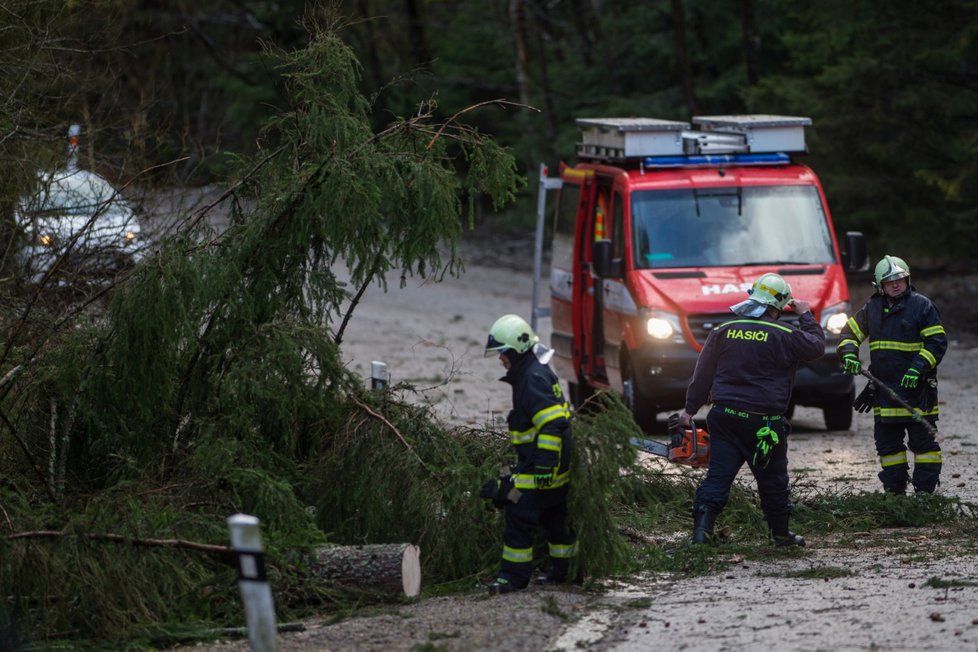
[781, 535]
[704, 518]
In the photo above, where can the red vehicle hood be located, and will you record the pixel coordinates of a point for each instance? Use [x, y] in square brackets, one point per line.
[715, 289]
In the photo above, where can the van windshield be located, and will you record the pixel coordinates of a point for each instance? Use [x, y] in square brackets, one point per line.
[730, 226]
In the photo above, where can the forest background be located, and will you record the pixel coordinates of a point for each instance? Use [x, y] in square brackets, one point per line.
[361, 133]
[891, 86]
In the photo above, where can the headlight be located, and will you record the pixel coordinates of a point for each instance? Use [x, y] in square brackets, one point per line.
[663, 326]
[835, 317]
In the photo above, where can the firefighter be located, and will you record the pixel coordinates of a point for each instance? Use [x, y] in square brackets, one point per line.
[748, 368]
[535, 493]
[906, 343]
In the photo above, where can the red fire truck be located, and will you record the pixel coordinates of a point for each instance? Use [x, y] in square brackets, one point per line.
[661, 226]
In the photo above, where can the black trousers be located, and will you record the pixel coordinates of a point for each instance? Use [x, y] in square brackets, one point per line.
[733, 439]
[548, 512]
[895, 473]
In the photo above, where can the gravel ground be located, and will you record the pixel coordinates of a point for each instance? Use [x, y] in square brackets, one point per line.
[861, 593]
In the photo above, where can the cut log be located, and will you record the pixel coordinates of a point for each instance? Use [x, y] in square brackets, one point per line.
[389, 567]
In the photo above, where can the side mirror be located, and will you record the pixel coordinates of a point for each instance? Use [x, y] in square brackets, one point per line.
[855, 258]
[601, 262]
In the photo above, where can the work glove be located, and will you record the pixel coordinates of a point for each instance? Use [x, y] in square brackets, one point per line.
[851, 363]
[767, 439]
[500, 491]
[866, 399]
[910, 379]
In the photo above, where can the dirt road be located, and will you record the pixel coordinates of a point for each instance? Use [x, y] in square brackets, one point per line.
[857, 594]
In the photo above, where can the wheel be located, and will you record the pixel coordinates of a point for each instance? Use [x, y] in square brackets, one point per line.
[838, 413]
[642, 409]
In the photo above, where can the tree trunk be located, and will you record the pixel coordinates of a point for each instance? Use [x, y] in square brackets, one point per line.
[517, 22]
[751, 40]
[682, 56]
[391, 567]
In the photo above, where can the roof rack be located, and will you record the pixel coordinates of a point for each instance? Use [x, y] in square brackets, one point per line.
[621, 140]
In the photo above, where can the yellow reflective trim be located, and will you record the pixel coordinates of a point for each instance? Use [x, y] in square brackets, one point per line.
[577, 174]
[518, 555]
[932, 330]
[528, 481]
[930, 457]
[563, 551]
[549, 442]
[904, 412]
[846, 342]
[547, 415]
[890, 345]
[929, 357]
[894, 459]
[516, 437]
[854, 327]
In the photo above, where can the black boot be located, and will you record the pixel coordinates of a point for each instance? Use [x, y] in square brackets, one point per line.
[704, 518]
[781, 535]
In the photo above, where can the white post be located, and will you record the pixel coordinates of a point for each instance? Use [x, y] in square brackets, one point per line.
[253, 583]
[378, 374]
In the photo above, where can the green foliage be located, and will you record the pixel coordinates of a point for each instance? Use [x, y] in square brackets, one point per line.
[211, 383]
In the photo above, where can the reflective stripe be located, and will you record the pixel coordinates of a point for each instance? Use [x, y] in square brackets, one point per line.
[547, 415]
[904, 412]
[549, 442]
[932, 330]
[563, 551]
[518, 555]
[573, 173]
[516, 437]
[854, 327]
[893, 460]
[892, 345]
[529, 481]
[930, 457]
[929, 357]
[846, 342]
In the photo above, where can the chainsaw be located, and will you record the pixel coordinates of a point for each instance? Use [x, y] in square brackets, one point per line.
[689, 446]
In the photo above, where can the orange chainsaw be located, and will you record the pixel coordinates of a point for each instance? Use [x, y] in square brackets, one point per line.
[689, 446]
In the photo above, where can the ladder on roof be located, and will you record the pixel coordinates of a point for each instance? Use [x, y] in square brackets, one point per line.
[624, 139]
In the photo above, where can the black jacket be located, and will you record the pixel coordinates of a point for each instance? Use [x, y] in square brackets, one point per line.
[539, 426]
[906, 334]
[750, 364]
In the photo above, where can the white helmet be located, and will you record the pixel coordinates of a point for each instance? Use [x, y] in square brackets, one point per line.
[510, 332]
[771, 290]
[890, 268]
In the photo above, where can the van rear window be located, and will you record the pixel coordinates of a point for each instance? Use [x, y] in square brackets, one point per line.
[730, 226]
[564, 224]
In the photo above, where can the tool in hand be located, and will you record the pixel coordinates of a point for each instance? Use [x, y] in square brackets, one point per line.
[914, 413]
[689, 446]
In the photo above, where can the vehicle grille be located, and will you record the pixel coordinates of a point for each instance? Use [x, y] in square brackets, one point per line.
[701, 325]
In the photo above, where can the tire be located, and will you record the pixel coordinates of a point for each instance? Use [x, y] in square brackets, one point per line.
[838, 413]
[642, 409]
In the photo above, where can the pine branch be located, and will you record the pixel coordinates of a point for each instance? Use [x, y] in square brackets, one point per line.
[382, 419]
[118, 538]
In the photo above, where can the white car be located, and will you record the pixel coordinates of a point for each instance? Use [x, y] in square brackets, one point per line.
[78, 218]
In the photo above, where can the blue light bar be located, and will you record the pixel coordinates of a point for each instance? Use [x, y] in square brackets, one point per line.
[706, 160]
